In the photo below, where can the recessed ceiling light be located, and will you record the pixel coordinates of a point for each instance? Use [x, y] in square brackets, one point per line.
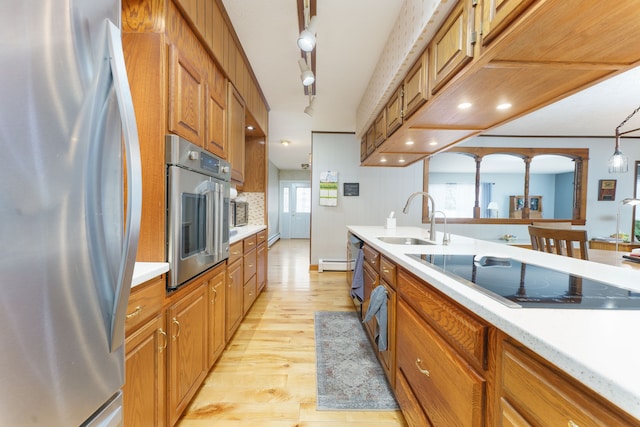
[433, 143]
[503, 106]
[284, 142]
[383, 160]
[250, 127]
[401, 161]
[464, 105]
[409, 143]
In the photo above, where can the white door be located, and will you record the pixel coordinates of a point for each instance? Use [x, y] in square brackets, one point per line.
[295, 210]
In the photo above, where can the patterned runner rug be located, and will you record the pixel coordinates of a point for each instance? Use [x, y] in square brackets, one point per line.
[349, 376]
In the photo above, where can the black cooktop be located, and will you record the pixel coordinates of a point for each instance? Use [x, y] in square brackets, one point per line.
[518, 284]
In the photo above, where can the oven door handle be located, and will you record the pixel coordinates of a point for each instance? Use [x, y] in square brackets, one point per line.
[218, 220]
[210, 198]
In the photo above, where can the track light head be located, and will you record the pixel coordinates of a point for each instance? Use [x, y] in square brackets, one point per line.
[307, 38]
[306, 75]
[309, 108]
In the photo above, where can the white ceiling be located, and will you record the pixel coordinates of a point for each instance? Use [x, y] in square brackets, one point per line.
[351, 36]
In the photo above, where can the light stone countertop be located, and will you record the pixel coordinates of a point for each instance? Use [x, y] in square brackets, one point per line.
[244, 231]
[600, 348]
[145, 271]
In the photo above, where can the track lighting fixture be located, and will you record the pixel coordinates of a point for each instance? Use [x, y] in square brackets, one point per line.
[307, 38]
[309, 108]
[306, 75]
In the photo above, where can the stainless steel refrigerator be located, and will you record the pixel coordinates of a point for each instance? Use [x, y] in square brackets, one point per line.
[67, 243]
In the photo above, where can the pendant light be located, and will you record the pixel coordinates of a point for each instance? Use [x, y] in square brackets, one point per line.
[618, 162]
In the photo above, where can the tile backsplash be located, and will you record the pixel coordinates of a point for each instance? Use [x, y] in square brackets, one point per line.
[256, 207]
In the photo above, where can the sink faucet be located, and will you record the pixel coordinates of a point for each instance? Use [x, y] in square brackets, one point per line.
[445, 237]
[432, 216]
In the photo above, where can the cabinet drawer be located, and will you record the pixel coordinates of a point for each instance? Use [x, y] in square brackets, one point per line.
[250, 294]
[250, 243]
[371, 257]
[542, 396]
[261, 236]
[463, 331]
[145, 301]
[250, 264]
[411, 409]
[235, 252]
[448, 389]
[388, 271]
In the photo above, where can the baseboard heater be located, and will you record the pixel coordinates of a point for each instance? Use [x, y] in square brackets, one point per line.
[333, 265]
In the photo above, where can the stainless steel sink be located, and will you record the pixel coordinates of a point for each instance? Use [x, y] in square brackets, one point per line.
[395, 240]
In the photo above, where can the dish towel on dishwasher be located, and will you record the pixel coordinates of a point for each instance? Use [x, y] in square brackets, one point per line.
[378, 308]
[357, 283]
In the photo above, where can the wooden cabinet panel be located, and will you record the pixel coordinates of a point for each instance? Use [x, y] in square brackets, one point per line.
[145, 301]
[388, 271]
[235, 252]
[234, 297]
[542, 396]
[217, 290]
[464, 332]
[250, 264]
[187, 318]
[394, 112]
[380, 128]
[371, 139]
[235, 133]
[448, 389]
[370, 281]
[250, 291]
[216, 117]
[261, 271]
[498, 14]
[388, 357]
[371, 257]
[186, 98]
[451, 48]
[411, 409]
[145, 365]
[416, 91]
[363, 148]
[249, 243]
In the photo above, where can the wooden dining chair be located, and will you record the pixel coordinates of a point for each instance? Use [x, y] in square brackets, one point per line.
[559, 241]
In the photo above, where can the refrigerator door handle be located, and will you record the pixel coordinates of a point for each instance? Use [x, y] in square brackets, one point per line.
[134, 185]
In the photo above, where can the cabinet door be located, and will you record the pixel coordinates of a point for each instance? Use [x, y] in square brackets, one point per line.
[388, 356]
[217, 302]
[216, 137]
[370, 280]
[234, 296]
[498, 14]
[380, 128]
[261, 272]
[187, 349]
[235, 133]
[451, 48]
[371, 139]
[145, 365]
[415, 86]
[186, 98]
[449, 390]
[394, 112]
[250, 291]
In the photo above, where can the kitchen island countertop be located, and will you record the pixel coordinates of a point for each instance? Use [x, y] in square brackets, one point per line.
[600, 348]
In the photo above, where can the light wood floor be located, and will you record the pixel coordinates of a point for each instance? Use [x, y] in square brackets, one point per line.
[266, 376]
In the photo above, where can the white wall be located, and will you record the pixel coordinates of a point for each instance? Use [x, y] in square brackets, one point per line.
[382, 190]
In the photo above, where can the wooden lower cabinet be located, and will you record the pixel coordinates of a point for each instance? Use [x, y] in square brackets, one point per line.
[217, 285]
[145, 364]
[187, 325]
[532, 392]
[234, 297]
[449, 391]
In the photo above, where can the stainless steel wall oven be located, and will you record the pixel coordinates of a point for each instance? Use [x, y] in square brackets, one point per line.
[197, 210]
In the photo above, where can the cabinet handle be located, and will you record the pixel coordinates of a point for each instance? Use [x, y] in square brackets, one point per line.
[215, 295]
[175, 322]
[422, 371]
[571, 423]
[385, 270]
[235, 253]
[135, 313]
[164, 335]
[250, 265]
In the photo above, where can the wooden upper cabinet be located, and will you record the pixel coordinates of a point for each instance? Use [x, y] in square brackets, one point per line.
[498, 14]
[235, 133]
[216, 137]
[371, 139]
[452, 46]
[394, 112]
[380, 128]
[186, 97]
[415, 86]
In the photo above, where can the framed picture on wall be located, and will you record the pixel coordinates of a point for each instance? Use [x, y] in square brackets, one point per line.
[607, 189]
